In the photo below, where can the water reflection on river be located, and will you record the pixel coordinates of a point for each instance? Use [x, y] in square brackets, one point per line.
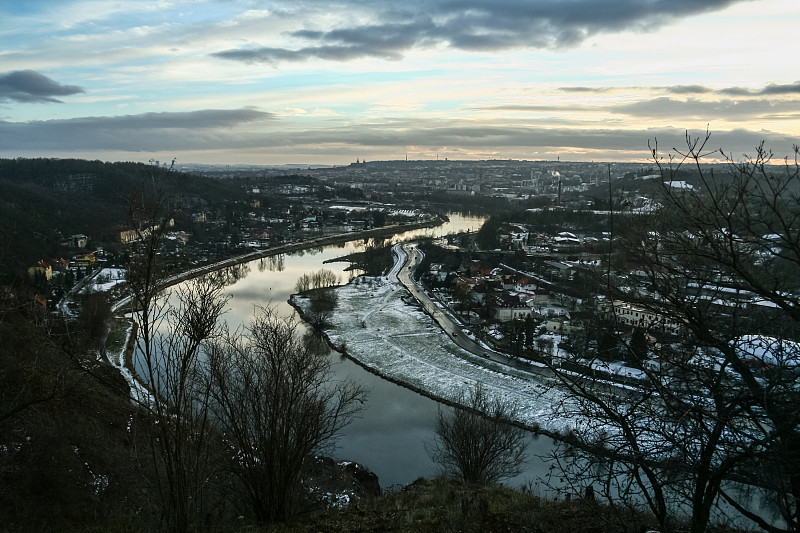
[391, 433]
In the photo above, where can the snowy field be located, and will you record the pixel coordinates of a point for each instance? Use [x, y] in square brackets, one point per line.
[105, 280]
[384, 329]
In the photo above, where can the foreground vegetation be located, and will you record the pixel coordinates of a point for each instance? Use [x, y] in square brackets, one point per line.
[444, 505]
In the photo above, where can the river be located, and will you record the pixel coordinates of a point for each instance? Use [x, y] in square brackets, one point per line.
[389, 436]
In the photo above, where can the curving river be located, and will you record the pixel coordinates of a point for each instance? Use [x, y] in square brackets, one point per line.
[390, 435]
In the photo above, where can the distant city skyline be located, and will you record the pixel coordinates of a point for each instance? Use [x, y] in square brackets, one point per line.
[312, 82]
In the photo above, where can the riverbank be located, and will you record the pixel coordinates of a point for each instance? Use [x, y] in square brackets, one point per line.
[373, 233]
[390, 435]
[390, 336]
[299, 306]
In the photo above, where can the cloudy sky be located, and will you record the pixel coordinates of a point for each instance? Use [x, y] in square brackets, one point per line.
[313, 82]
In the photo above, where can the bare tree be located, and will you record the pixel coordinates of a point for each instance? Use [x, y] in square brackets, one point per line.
[278, 405]
[324, 278]
[477, 442]
[303, 283]
[715, 268]
[463, 294]
[173, 327]
[94, 319]
[665, 445]
[27, 378]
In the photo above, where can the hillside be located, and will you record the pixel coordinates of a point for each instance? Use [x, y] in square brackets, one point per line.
[67, 457]
[44, 201]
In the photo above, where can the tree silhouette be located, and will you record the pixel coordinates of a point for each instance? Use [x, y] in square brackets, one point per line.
[477, 442]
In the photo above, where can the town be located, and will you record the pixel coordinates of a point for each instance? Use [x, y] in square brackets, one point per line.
[572, 280]
[510, 281]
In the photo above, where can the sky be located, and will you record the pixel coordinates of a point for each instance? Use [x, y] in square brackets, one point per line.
[330, 82]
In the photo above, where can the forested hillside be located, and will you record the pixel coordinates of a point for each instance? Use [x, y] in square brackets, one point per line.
[43, 201]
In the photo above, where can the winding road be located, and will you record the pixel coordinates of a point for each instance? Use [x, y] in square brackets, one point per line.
[407, 259]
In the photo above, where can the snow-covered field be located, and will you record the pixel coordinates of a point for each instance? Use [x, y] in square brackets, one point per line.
[383, 328]
[105, 280]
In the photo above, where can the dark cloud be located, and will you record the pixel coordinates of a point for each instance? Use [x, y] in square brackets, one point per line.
[772, 88]
[674, 89]
[204, 129]
[381, 41]
[212, 131]
[628, 143]
[584, 89]
[688, 89]
[202, 119]
[480, 26]
[736, 91]
[30, 86]
[680, 110]
[386, 38]
[277, 55]
[730, 110]
[791, 88]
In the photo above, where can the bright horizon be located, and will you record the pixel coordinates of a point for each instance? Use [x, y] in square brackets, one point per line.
[313, 83]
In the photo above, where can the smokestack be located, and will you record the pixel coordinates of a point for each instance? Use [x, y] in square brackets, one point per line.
[559, 191]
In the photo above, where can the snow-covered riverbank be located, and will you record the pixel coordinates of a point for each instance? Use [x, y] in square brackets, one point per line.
[383, 329]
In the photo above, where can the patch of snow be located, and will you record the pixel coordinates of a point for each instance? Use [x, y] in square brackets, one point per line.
[140, 395]
[679, 184]
[105, 280]
[768, 350]
[331, 500]
[402, 343]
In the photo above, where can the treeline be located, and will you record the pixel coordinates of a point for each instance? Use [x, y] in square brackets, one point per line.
[320, 279]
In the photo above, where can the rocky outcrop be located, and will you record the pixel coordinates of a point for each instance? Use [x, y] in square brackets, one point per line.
[339, 483]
